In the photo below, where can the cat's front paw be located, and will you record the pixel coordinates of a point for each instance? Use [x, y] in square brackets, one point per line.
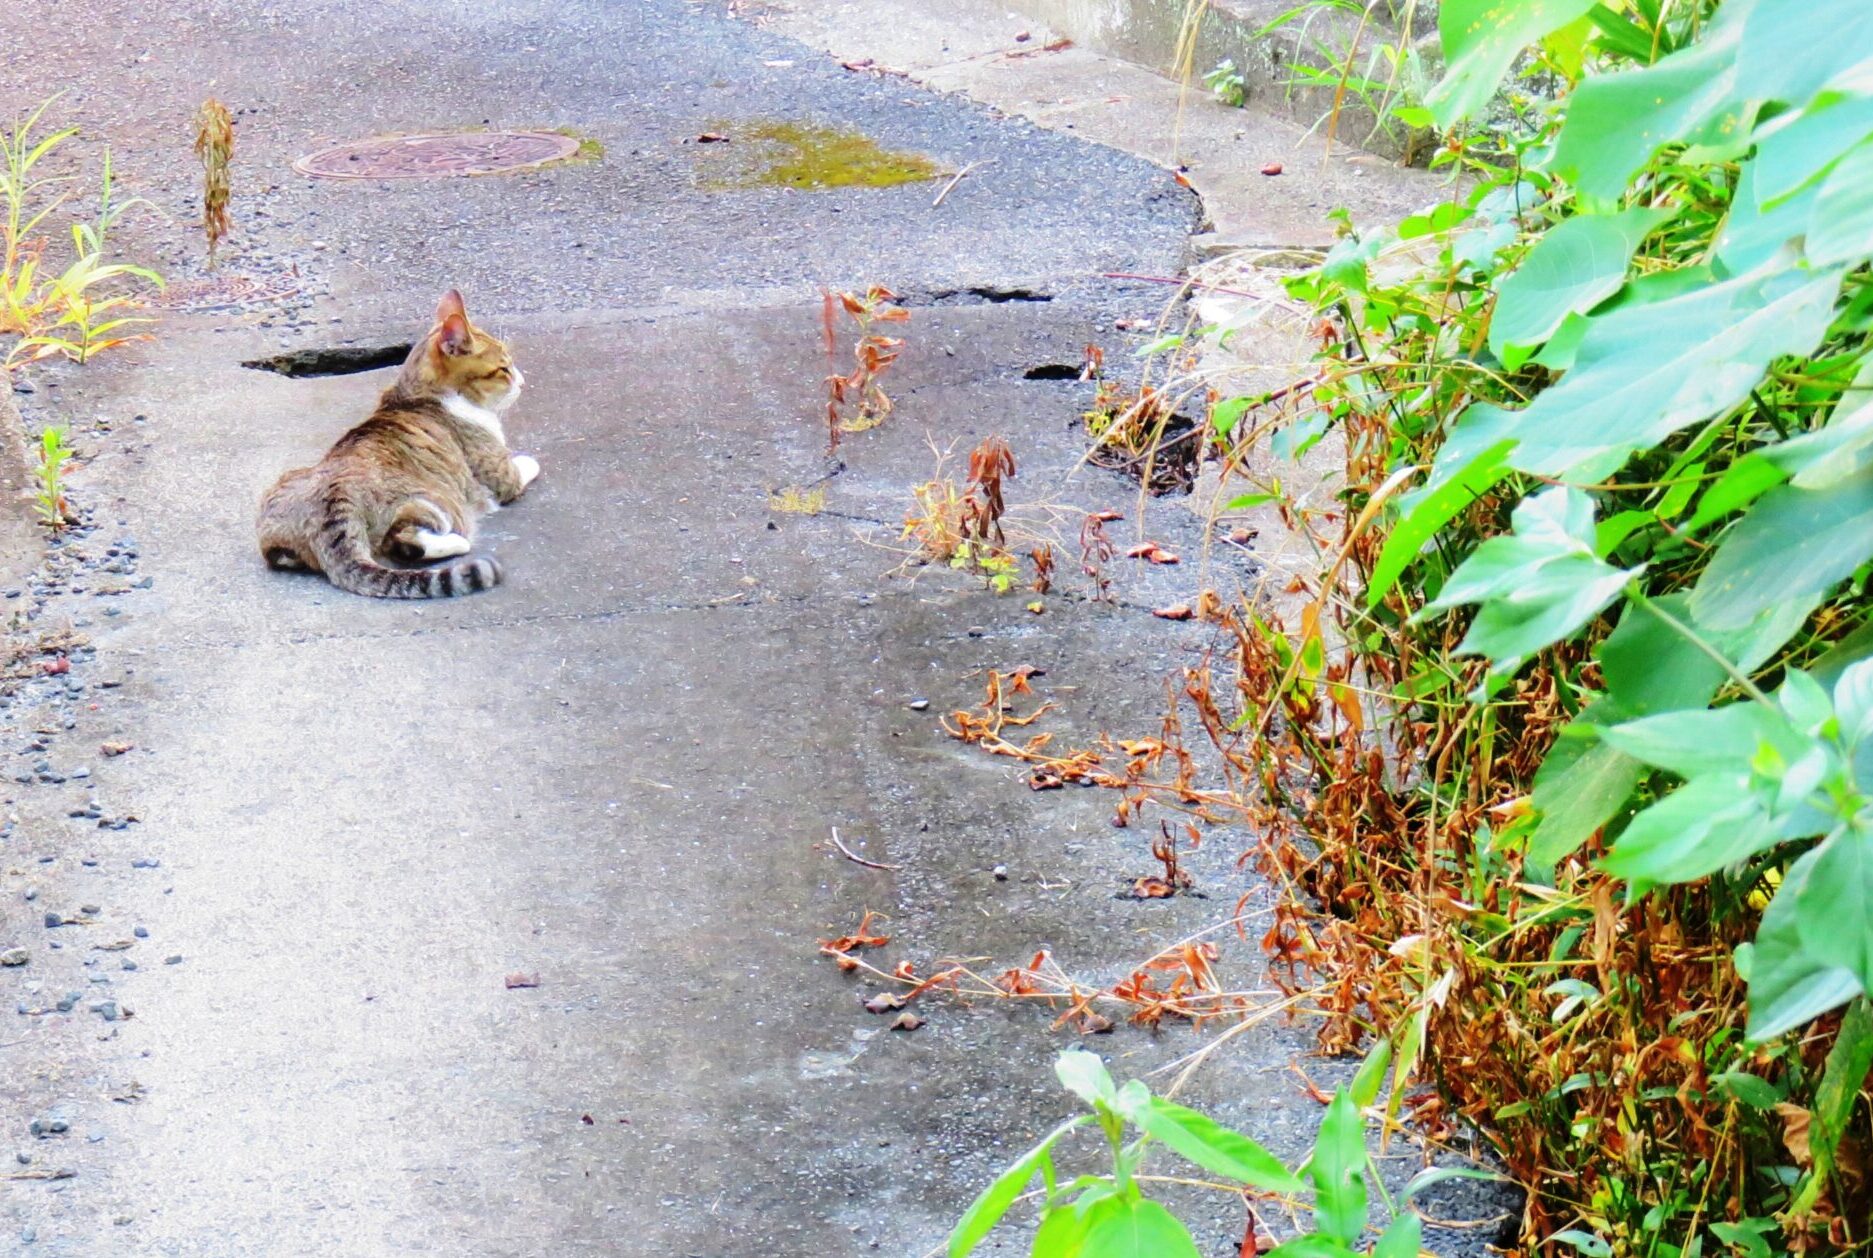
[526, 467]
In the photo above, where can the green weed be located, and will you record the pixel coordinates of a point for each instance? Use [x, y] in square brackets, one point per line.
[49, 478]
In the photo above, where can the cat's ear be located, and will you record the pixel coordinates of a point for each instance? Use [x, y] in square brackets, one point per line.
[452, 335]
[451, 304]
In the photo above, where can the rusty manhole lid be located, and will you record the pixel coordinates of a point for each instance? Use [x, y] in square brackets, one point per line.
[218, 291]
[437, 156]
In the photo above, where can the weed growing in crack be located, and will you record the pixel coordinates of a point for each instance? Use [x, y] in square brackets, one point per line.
[214, 146]
[961, 525]
[49, 478]
[84, 307]
[1108, 1215]
[857, 400]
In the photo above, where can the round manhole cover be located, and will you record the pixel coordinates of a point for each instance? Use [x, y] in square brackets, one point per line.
[437, 156]
[221, 291]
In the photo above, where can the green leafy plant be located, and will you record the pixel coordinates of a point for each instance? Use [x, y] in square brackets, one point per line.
[1108, 1215]
[80, 319]
[997, 566]
[49, 475]
[1334, 54]
[94, 237]
[84, 307]
[1226, 84]
[1562, 765]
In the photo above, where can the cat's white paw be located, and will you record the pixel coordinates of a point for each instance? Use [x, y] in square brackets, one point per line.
[526, 467]
[441, 545]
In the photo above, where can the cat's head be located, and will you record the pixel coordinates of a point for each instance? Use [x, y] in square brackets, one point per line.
[459, 358]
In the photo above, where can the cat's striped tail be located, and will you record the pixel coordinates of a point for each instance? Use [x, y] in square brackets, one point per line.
[344, 554]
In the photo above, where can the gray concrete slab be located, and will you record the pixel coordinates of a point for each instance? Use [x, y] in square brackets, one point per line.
[351, 821]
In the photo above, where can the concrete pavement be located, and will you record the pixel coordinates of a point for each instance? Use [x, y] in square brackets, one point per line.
[352, 821]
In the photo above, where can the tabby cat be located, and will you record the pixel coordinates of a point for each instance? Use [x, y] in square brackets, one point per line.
[407, 483]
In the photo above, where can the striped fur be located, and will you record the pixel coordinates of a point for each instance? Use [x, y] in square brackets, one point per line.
[411, 477]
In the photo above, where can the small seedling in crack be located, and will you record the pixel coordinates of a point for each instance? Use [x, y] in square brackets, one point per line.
[1096, 551]
[49, 473]
[1173, 879]
[857, 401]
[962, 526]
[214, 145]
[1042, 557]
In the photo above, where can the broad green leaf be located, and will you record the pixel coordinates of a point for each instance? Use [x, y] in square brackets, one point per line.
[1788, 157]
[1584, 1243]
[1841, 1079]
[1753, 1090]
[1650, 667]
[1715, 740]
[1371, 1076]
[1580, 787]
[1787, 985]
[988, 1208]
[1573, 268]
[1481, 41]
[1840, 227]
[1707, 824]
[1062, 1234]
[1338, 1167]
[1537, 584]
[1567, 47]
[1792, 545]
[1402, 1239]
[1853, 701]
[1211, 1145]
[1620, 34]
[1425, 514]
[1746, 480]
[1645, 371]
[1086, 1077]
[1746, 1238]
[1563, 347]
[1753, 233]
[1834, 906]
[1226, 414]
[1132, 1227]
[1615, 122]
[1791, 49]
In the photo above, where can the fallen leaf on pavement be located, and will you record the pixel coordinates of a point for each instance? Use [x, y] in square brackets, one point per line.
[1176, 611]
[1151, 551]
[907, 1022]
[860, 938]
[884, 1002]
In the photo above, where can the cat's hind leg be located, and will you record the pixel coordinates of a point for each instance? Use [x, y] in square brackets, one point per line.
[423, 532]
